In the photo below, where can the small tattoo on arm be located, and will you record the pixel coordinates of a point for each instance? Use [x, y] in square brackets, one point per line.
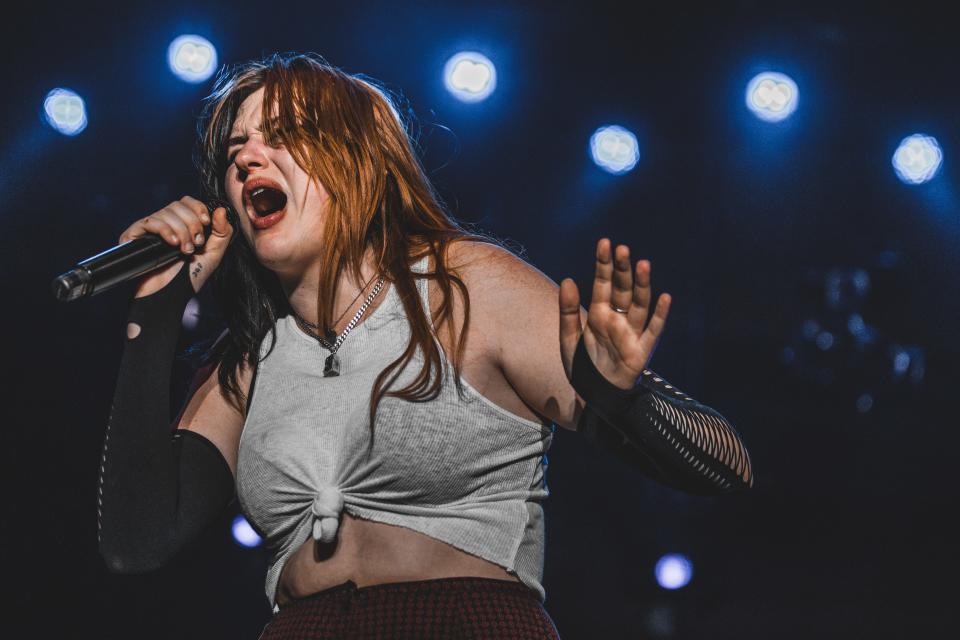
[197, 269]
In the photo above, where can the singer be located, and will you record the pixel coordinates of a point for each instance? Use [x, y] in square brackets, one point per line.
[388, 382]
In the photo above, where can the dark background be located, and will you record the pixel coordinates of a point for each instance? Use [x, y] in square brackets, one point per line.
[750, 226]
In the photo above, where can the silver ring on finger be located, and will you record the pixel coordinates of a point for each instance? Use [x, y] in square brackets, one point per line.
[617, 309]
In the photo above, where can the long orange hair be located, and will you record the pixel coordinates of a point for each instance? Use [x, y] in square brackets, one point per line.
[344, 131]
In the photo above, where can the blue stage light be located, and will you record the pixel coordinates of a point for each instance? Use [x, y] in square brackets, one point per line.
[191, 315]
[824, 340]
[614, 149]
[470, 76]
[192, 58]
[65, 111]
[917, 159]
[674, 571]
[772, 96]
[243, 533]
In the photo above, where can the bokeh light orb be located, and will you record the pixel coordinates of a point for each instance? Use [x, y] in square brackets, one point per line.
[614, 149]
[470, 76]
[772, 96]
[192, 58]
[191, 315]
[917, 159]
[65, 111]
[243, 533]
[673, 571]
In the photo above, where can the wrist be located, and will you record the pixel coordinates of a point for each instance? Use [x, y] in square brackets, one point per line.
[604, 396]
[164, 304]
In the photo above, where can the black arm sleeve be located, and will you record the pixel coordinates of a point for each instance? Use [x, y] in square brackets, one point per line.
[659, 430]
[159, 487]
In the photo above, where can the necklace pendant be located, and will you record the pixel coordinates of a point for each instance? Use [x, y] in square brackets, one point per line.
[331, 366]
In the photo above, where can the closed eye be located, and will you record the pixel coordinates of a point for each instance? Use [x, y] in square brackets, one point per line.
[236, 141]
[239, 141]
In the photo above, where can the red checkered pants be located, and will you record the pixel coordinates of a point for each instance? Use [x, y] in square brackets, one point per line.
[468, 608]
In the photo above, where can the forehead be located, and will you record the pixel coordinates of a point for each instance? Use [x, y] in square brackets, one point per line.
[248, 115]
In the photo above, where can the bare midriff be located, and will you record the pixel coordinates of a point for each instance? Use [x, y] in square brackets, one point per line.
[369, 553]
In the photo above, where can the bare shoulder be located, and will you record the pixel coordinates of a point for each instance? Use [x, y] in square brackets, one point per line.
[489, 266]
[518, 312]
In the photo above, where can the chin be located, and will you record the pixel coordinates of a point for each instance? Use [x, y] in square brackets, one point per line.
[283, 258]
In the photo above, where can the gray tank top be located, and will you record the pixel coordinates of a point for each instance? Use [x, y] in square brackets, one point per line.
[469, 473]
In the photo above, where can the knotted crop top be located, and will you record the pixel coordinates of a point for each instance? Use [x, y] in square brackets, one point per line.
[469, 473]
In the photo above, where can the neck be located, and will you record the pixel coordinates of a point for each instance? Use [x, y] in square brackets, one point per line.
[301, 291]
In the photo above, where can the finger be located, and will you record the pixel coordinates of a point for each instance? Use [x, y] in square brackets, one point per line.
[170, 216]
[155, 224]
[197, 207]
[139, 229]
[570, 325]
[622, 291]
[189, 217]
[603, 275]
[640, 302]
[654, 330]
[221, 225]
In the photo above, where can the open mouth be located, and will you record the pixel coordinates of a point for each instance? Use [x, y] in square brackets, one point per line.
[269, 205]
[267, 201]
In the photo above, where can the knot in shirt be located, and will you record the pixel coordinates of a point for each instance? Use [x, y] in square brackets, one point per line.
[326, 509]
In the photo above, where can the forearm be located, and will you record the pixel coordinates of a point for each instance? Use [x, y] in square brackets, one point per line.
[661, 431]
[158, 488]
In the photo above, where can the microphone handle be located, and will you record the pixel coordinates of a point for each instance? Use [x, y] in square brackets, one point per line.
[125, 262]
[114, 266]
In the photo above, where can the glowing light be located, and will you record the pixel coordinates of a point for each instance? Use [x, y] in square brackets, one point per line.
[243, 533]
[917, 159]
[65, 111]
[470, 76]
[855, 325]
[192, 58]
[901, 361]
[191, 315]
[810, 329]
[772, 96]
[674, 571]
[864, 402]
[824, 340]
[614, 149]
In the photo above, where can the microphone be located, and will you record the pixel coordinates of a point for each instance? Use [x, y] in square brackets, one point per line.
[122, 263]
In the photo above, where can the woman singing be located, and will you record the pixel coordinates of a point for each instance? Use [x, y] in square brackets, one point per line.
[386, 389]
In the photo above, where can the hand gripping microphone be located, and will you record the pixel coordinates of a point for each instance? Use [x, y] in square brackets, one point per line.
[122, 263]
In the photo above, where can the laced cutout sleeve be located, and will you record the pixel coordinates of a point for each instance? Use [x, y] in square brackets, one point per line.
[661, 431]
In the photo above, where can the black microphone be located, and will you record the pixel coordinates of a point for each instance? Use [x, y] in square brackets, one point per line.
[122, 263]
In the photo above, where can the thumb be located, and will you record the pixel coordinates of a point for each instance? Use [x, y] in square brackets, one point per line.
[216, 245]
[220, 233]
[570, 327]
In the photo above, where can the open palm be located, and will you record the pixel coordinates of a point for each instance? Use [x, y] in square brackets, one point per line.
[619, 344]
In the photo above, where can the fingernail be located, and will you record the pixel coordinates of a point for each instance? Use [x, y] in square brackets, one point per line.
[198, 238]
[205, 219]
[189, 247]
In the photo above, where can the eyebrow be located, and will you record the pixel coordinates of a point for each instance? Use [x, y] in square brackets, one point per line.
[234, 140]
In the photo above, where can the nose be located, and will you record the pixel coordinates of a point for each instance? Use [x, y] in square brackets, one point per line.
[252, 155]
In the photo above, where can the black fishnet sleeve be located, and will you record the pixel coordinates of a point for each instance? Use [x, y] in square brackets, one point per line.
[661, 431]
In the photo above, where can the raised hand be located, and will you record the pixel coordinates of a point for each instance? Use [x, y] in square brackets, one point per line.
[181, 224]
[620, 344]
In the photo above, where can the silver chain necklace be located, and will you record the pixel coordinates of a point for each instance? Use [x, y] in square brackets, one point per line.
[331, 366]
